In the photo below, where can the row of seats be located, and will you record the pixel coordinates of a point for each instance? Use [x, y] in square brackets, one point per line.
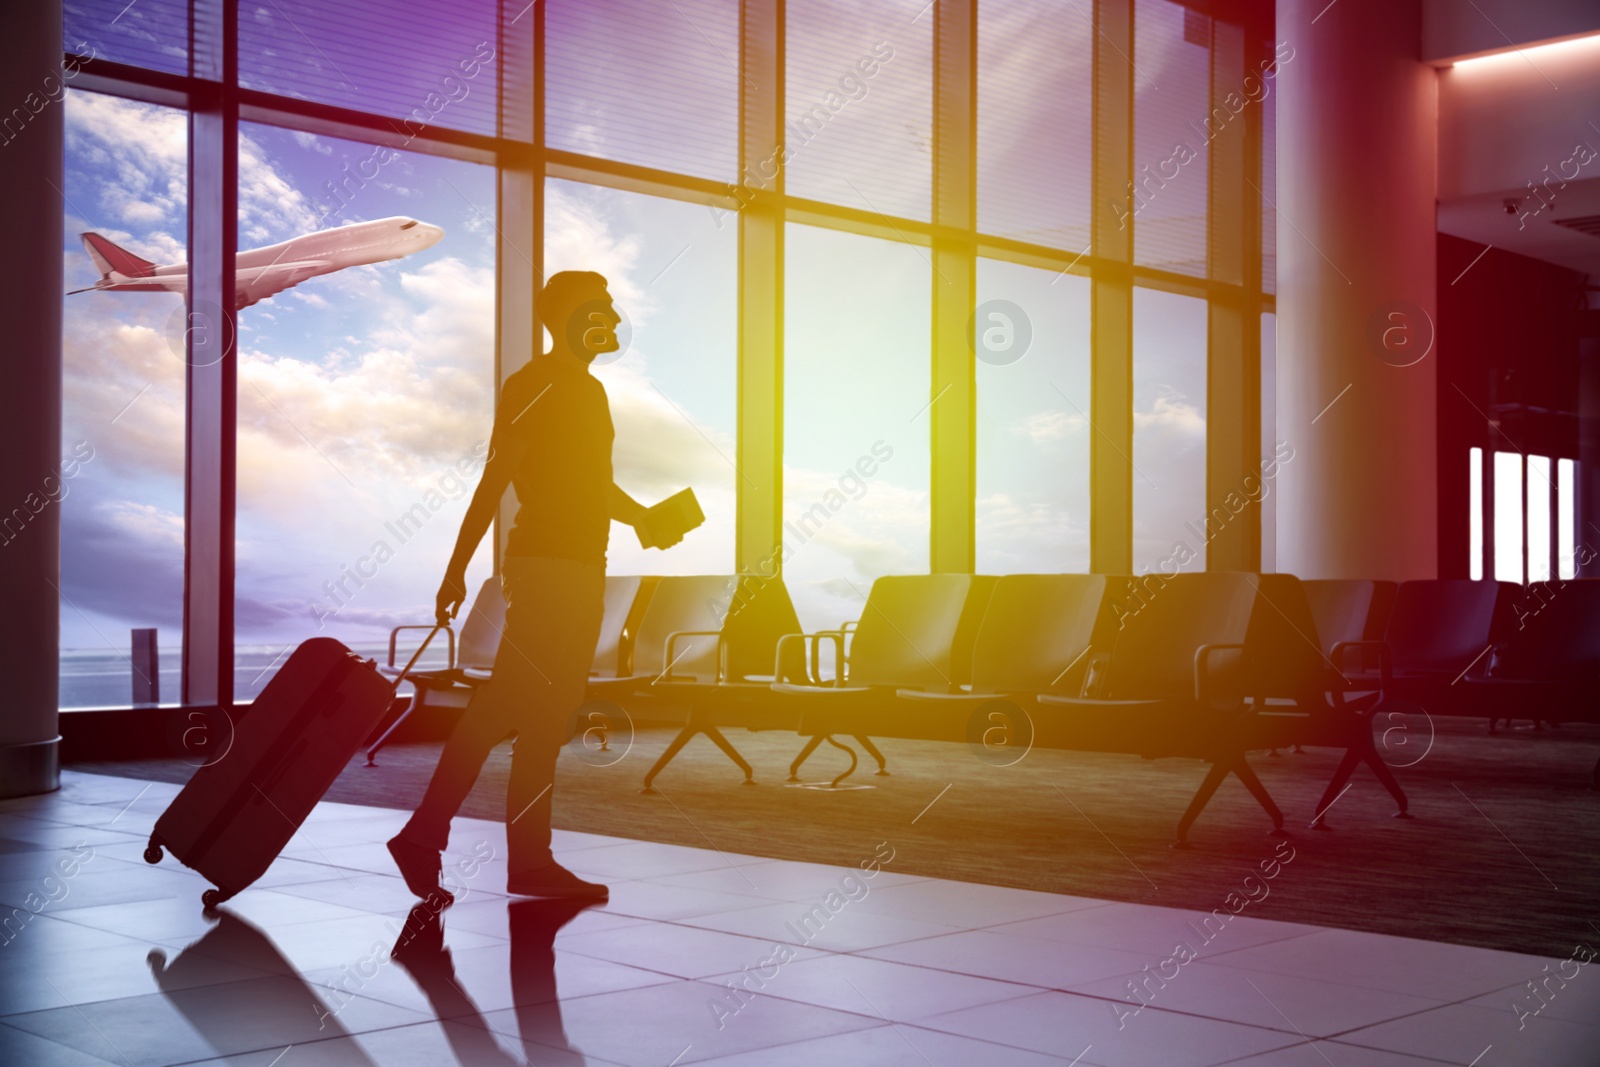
[1207, 665]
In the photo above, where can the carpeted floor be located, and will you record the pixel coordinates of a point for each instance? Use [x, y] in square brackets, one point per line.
[1504, 851]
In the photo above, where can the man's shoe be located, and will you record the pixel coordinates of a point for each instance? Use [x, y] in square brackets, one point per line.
[420, 867]
[554, 880]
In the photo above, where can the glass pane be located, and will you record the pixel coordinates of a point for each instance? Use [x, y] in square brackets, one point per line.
[1539, 494]
[1269, 441]
[120, 484]
[653, 84]
[1566, 519]
[1035, 113]
[1475, 507]
[365, 395]
[1031, 335]
[1172, 94]
[1170, 524]
[426, 62]
[860, 104]
[1508, 517]
[1269, 189]
[672, 389]
[151, 33]
[856, 394]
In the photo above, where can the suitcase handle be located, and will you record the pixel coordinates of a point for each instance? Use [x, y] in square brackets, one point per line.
[412, 662]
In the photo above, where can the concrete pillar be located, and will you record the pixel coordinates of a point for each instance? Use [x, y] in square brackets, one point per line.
[1357, 174]
[31, 137]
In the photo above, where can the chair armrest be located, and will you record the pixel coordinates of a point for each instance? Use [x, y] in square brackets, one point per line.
[1385, 663]
[814, 669]
[449, 632]
[1094, 675]
[1203, 682]
[722, 652]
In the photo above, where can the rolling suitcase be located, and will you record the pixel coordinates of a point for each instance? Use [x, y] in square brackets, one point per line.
[241, 807]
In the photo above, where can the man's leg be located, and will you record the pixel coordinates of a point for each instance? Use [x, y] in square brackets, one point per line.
[416, 849]
[568, 606]
[488, 718]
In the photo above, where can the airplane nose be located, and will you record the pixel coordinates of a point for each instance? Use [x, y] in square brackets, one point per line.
[429, 233]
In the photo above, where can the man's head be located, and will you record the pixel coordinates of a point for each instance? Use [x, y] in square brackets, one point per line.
[576, 308]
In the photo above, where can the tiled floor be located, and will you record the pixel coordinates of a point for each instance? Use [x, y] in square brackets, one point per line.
[107, 959]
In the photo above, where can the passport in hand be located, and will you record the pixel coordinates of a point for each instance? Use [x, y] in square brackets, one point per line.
[667, 522]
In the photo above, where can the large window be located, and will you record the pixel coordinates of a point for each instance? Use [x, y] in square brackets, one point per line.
[120, 485]
[1170, 523]
[1035, 121]
[855, 419]
[859, 115]
[670, 269]
[1031, 335]
[654, 84]
[365, 393]
[1172, 129]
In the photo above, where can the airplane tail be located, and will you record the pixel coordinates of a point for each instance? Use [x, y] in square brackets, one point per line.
[110, 258]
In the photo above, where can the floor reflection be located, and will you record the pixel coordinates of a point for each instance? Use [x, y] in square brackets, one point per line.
[420, 951]
[534, 924]
[288, 1001]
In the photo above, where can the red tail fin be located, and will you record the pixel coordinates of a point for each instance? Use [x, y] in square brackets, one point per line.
[109, 257]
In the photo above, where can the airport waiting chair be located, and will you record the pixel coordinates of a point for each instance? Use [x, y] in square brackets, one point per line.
[481, 634]
[1300, 696]
[1438, 631]
[915, 633]
[750, 625]
[626, 597]
[1171, 684]
[1348, 611]
[679, 605]
[1034, 636]
[1548, 668]
[451, 685]
[672, 641]
[1343, 609]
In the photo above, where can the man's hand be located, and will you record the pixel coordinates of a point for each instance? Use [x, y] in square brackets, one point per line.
[452, 595]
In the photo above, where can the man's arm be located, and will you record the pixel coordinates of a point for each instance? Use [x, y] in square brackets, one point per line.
[624, 508]
[504, 457]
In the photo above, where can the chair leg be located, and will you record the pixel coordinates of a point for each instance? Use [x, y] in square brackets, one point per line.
[1386, 776]
[1341, 775]
[872, 750]
[732, 753]
[685, 735]
[805, 753]
[1244, 773]
[1202, 796]
[849, 770]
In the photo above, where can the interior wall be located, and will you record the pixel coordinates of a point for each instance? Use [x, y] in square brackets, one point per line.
[1452, 29]
[1508, 372]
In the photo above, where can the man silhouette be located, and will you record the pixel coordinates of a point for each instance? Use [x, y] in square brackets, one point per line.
[551, 442]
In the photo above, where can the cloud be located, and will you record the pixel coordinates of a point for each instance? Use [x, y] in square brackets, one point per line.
[311, 141]
[1172, 415]
[120, 559]
[142, 150]
[1047, 428]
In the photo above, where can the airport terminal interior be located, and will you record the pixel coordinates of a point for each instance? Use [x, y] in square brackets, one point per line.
[777, 532]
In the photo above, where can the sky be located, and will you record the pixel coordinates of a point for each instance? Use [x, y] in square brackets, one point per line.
[366, 392]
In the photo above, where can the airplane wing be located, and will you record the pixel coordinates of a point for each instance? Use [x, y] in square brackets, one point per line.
[256, 284]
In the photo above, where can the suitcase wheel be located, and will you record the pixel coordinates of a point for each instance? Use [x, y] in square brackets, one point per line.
[212, 897]
[152, 853]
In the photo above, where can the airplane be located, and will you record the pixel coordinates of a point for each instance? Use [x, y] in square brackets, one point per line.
[264, 272]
